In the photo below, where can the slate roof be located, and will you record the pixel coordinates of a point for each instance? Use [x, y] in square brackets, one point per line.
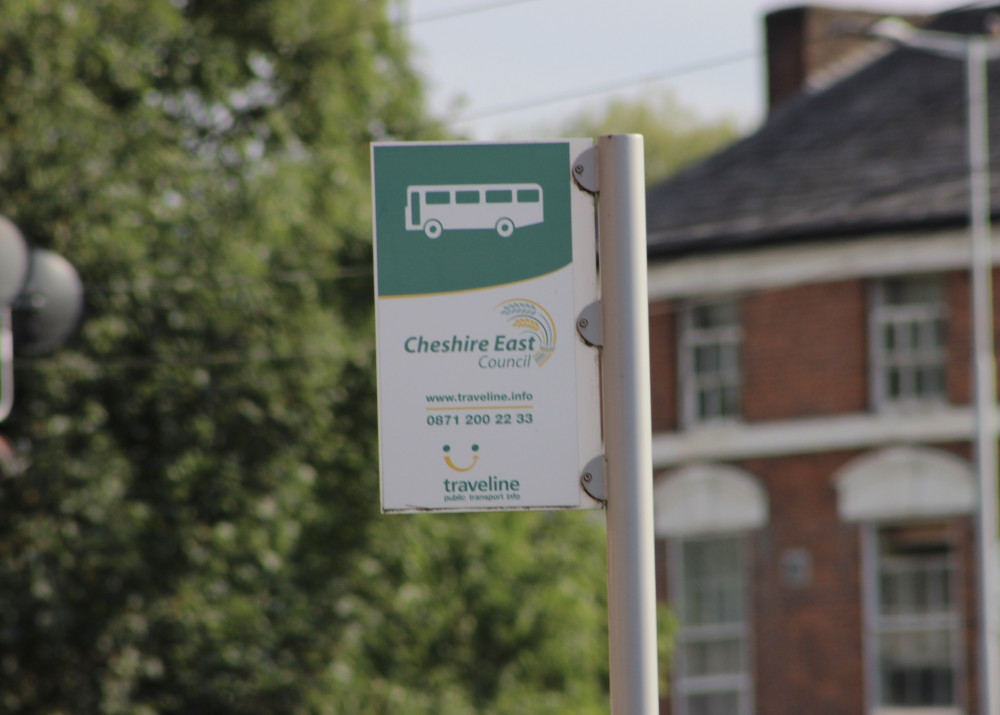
[882, 149]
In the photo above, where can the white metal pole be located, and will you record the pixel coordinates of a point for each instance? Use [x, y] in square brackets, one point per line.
[627, 425]
[985, 374]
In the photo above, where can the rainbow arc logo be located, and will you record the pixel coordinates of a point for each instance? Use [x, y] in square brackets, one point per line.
[531, 318]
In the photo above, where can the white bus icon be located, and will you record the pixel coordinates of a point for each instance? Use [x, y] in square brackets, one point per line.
[502, 207]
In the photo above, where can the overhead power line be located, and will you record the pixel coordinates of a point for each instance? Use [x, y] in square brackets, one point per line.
[459, 12]
[582, 92]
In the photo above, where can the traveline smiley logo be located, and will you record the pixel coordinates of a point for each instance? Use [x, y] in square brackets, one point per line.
[530, 339]
[452, 465]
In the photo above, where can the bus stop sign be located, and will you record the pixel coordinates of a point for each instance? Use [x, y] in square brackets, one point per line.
[484, 258]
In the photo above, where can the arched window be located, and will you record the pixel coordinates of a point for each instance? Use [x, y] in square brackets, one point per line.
[905, 483]
[708, 498]
[906, 498]
[704, 512]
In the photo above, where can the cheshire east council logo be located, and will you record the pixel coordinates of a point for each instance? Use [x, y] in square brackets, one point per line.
[532, 318]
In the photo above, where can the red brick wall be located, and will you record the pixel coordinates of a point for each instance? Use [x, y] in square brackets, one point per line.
[959, 336]
[663, 365]
[960, 333]
[807, 638]
[805, 351]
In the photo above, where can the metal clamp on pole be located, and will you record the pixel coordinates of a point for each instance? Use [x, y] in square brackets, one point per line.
[585, 171]
[589, 325]
[592, 480]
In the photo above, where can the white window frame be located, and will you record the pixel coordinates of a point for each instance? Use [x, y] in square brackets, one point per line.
[692, 338]
[878, 625]
[926, 314]
[684, 685]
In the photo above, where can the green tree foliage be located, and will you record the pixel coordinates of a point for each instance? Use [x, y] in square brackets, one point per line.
[198, 530]
[674, 135]
[499, 613]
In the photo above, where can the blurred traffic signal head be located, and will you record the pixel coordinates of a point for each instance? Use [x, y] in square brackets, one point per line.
[49, 306]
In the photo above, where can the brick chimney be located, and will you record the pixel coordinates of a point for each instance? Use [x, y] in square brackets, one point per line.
[807, 41]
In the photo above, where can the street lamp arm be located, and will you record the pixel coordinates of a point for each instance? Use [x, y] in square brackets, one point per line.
[945, 44]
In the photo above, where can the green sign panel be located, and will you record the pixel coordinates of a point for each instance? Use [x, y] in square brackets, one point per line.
[470, 215]
[484, 258]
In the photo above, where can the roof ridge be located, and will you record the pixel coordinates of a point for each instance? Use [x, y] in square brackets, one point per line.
[850, 64]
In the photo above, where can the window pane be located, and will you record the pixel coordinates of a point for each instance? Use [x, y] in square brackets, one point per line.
[907, 290]
[915, 576]
[893, 382]
[916, 619]
[730, 401]
[438, 197]
[714, 582]
[910, 351]
[499, 196]
[706, 359]
[528, 196]
[917, 668]
[909, 590]
[729, 357]
[939, 335]
[723, 656]
[910, 335]
[889, 337]
[708, 403]
[711, 666]
[714, 315]
[927, 335]
[711, 378]
[929, 381]
[723, 703]
[466, 197]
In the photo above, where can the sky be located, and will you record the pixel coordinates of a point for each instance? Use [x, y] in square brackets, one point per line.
[492, 68]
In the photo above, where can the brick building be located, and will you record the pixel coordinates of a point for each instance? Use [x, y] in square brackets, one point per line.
[811, 350]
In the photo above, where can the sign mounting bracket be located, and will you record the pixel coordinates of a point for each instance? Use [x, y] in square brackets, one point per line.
[588, 324]
[585, 172]
[592, 479]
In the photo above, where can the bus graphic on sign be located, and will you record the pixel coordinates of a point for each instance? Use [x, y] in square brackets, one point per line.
[458, 207]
